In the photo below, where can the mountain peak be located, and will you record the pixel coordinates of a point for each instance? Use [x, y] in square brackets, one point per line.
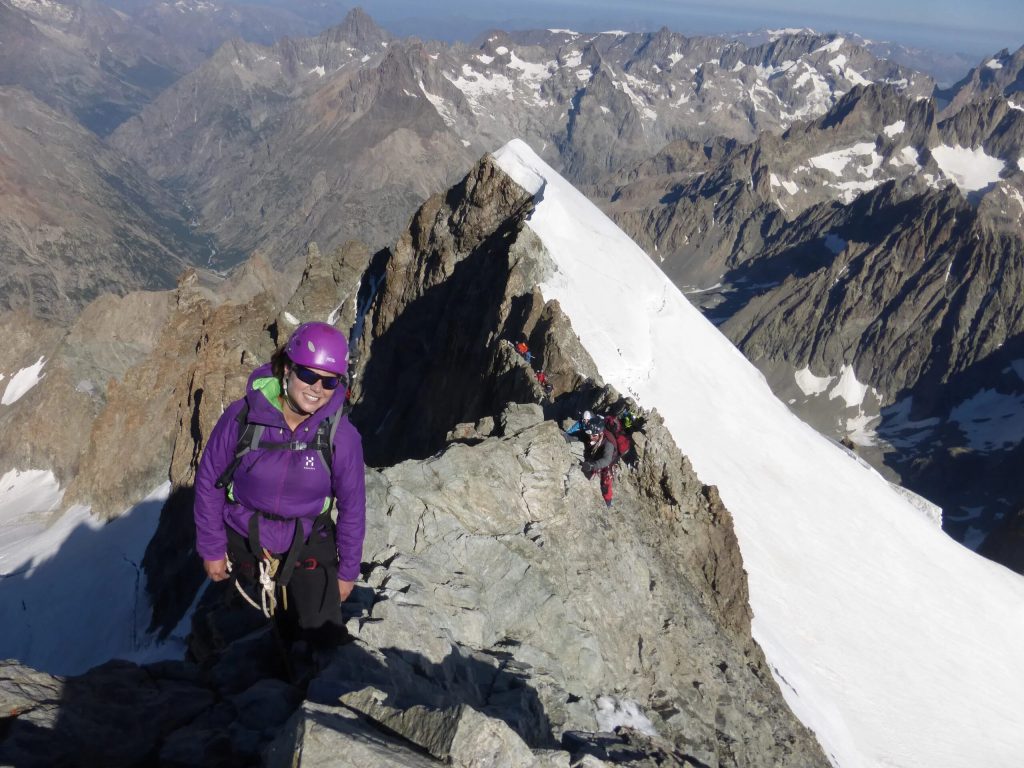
[359, 29]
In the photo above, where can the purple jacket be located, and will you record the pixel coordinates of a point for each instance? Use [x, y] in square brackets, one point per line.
[292, 484]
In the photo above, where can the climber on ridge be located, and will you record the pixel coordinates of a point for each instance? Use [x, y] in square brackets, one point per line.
[273, 464]
[599, 455]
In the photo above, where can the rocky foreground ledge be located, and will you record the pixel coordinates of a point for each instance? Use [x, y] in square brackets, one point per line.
[505, 618]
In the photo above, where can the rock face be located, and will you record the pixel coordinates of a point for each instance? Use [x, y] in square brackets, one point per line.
[505, 616]
[440, 302]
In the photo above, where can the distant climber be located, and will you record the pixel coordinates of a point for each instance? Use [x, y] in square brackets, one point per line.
[523, 349]
[630, 415]
[545, 386]
[579, 427]
[599, 455]
[273, 464]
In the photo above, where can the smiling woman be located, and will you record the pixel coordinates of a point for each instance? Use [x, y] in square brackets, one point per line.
[272, 466]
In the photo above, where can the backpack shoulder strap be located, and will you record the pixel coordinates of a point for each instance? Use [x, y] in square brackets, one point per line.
[326, 432]
[249, 436]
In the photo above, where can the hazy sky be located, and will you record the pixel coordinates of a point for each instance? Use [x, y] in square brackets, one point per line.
[978, 26]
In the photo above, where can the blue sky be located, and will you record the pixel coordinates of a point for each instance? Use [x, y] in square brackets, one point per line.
[980, 27]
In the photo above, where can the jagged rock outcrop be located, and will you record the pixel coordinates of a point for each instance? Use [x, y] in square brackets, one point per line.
[328, 288]
[442, 299]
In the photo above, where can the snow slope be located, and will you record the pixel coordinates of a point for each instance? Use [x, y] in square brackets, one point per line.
[72, 592]
[897, 646]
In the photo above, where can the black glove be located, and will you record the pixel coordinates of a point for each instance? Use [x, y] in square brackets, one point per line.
[587, 467]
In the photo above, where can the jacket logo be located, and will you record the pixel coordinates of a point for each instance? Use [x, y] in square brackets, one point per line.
[310, 462]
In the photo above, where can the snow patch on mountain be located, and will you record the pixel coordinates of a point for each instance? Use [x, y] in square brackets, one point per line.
[834, 243]
[790, 186]
[895, 644]
[991, 420]
[46, 9]
[442, 108]
[832, 47]
[613, 712]
[900, 431]
[970, 169]
[573, 59]
[809, 383]
[906, 156]
[894, 129]
[23, 381]
[532, 73]
[775, 34]
[836, 162]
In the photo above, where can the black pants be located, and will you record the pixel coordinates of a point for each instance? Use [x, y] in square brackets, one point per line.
[312, 598]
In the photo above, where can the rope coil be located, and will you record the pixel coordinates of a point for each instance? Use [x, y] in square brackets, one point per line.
[269, 566]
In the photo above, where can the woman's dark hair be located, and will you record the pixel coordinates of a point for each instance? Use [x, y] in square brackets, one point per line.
[277, 363]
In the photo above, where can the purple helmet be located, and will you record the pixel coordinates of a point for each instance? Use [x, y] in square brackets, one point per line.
[318, 345]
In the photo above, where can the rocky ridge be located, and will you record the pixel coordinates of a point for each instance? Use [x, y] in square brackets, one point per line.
[504, 613]
[998, 75]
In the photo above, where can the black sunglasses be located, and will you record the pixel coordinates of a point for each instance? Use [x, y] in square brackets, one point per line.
[307, 376]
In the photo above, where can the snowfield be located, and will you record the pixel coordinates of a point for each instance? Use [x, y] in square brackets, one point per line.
[896, 645]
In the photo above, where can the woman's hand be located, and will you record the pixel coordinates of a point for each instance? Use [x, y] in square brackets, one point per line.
[217, 570]
[345, 589]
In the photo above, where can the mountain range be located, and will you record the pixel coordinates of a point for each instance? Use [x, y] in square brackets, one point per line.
[175, 203]
[874, 251]
[504, 613]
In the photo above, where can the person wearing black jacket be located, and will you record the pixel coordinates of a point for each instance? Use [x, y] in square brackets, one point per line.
[600, 455]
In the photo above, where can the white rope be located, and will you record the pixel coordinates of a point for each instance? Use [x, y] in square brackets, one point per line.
[268, 598]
